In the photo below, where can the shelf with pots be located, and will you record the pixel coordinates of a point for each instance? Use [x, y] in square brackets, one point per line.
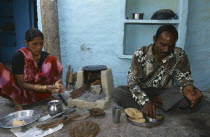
[151, 21]
[140, 27]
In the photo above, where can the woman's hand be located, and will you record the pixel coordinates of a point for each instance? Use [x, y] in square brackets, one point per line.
[56, 88]
[192, 94]
[60, 86]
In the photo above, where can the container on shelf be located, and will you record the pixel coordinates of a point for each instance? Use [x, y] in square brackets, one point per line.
[138, 16]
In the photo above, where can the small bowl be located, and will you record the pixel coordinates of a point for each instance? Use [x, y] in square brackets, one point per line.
[55, 107]
[152, 119]
[158, 118]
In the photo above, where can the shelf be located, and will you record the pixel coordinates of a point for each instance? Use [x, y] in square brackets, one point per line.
[126, 56]
[152, 21]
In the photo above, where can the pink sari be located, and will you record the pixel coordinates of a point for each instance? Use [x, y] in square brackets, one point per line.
[48, 74]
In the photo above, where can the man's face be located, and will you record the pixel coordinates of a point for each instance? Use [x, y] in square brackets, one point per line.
[164, 45]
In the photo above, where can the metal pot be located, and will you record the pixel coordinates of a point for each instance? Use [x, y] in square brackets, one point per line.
[137, 16]
[55, 107]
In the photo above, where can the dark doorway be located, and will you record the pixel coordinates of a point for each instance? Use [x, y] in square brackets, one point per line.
[16, 16]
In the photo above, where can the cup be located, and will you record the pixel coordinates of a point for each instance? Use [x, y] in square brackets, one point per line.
[116, 113]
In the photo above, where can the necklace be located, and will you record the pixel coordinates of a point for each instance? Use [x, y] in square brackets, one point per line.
[37, 59]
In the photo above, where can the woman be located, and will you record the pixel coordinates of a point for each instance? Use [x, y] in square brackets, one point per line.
[35, 73]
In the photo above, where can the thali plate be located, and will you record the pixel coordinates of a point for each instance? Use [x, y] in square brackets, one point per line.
[29, 116]
[148, 122]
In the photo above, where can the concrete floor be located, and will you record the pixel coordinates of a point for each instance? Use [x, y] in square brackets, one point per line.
[176, 124]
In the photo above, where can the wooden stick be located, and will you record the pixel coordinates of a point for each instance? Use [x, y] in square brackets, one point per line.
[67, 76]
[57, 122]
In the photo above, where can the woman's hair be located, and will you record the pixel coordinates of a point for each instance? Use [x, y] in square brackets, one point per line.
[32, 33]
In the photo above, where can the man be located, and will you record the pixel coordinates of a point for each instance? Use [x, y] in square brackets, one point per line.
[154, 73]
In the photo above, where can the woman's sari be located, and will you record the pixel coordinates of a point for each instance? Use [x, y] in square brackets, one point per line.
[48, 74]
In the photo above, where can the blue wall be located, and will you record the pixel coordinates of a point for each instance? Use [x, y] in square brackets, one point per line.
[22, 23]
[198, 43]
[91, 32]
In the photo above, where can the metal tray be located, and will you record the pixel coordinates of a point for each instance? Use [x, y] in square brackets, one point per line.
[29, 116]
[148, 122]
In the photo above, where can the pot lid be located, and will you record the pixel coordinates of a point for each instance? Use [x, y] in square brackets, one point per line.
[94, 67]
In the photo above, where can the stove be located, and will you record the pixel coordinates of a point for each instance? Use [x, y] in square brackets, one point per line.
[96, 83]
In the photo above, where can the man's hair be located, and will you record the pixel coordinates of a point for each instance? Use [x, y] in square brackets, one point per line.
[32, 33]
[166, 28]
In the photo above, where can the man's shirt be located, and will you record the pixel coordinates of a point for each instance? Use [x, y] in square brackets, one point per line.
[146, 71]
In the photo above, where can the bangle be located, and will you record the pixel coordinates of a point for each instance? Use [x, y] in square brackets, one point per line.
[45, 88]
[40, 88]
[37, 87]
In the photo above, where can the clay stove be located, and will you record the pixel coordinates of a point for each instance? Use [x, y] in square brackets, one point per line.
[100, 81]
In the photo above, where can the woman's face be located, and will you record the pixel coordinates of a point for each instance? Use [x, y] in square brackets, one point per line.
[35, 46]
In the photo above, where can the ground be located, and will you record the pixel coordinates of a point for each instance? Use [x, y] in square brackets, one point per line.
[176, 124]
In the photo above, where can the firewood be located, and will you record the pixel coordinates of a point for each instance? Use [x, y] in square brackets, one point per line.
[78, 92]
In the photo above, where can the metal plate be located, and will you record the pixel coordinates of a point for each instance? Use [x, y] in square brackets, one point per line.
[29, 116]
[147, 122]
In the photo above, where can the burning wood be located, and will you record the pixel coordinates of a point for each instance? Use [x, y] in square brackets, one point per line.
[97, 82]
[78, 92]
[91, 78]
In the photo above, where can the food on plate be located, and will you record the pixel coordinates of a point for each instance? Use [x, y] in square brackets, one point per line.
[140, 120]
[159, 117]
[134, 113]
[18, 122]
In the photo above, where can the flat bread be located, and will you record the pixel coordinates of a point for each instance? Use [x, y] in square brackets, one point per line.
[18, 122]
[134, 113]
[57, 86]
[140, 120]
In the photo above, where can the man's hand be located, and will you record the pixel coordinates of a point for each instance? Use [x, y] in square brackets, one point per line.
[192, 94]
[150, 109]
